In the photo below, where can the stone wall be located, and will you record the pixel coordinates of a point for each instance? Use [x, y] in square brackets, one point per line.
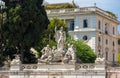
[4, 72]
[58, 71]
[113, 72]
[4, 76]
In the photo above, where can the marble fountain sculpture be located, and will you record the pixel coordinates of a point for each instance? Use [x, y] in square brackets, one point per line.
[57, 62]
[58, 53]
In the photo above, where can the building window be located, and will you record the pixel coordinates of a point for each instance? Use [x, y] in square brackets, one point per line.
[106, 41]
[85, 23]
[113, 30]
[99, 39]
[99, 54]
[113, 43]
[106, 32]
[85, 37]
[113, 58]
[106, 55]
[71, 27]
[99, 24]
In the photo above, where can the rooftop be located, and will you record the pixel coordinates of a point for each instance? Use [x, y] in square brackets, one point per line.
[60, 5]
[80, 10]
[56, 4]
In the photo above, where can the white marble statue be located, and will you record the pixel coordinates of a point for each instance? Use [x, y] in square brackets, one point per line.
[59, 54]
[60, 38]
[100, 60]
[34, 52]
[46, 51]
[54, 50]
[16, 61]
[70, 54]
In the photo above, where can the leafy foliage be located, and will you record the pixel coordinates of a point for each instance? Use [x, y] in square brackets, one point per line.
[54, 25]
[118, 41]
[119, 58]
[1, 59]
[111, 13]
[84, 52]
[59, 6]
[48, 36]
[25, 25]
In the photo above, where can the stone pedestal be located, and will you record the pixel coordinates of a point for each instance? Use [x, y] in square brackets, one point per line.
[58, 71]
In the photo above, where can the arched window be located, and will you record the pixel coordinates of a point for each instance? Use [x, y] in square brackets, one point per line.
[113, 43]
[99, 53]
[71, 27]
[106, 55]
[106, 41]
[99, 39]
[113, 30]
[85, 23]
[106, 29]
[113, 58]
[99, 24]
[85, 37]
[106, 32]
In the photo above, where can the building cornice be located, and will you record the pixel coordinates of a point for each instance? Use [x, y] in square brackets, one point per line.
[105, 15]
[81, 11]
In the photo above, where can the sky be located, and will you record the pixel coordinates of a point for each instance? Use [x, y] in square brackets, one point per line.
[108, 5]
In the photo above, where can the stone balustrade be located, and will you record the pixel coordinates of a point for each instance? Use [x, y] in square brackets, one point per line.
[4, 72]
[60, 67]
[58, 71]
[71, 10]
[79, 10]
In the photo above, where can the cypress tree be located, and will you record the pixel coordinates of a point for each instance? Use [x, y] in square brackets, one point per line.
[26, 21]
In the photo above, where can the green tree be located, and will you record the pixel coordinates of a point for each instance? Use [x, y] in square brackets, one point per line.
[84, 53]
[111, 13]
[54, 25]
[118, 41]
[25, 25]
[59, 6]
[48, 36]
[119, 58]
